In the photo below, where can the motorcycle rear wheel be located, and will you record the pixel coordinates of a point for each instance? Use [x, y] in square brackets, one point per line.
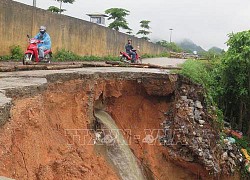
[122, 59]
[139, 61]
[47, 58]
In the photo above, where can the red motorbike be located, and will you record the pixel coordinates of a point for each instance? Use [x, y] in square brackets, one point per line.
[124, 57]
[32, 53]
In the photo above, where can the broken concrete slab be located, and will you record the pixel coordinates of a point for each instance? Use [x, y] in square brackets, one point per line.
[5, 105]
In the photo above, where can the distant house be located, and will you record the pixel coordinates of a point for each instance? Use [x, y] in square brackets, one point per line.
[98, 18]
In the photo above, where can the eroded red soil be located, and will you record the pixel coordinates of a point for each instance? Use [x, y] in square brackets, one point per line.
[34, 144]
[48, 135]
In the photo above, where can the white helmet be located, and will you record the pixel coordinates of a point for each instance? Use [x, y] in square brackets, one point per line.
[42, 29]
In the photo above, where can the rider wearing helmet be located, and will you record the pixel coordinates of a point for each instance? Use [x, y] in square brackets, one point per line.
[45, 44]
[129, 49]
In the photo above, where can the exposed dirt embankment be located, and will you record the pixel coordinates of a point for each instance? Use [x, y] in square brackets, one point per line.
[50, 134]
[36, 143]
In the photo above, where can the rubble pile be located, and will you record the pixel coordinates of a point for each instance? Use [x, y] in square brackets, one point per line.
[189, 136]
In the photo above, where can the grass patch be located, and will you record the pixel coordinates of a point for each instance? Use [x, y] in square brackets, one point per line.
[65, 55]
[5, 58]
[16, 53]
[164, 54]
[195, 70]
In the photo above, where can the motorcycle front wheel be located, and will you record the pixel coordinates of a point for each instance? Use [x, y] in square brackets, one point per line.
[122, 59]
[27, 59]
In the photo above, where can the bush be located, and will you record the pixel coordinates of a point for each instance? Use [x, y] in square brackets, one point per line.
[227, 82]
[65, 55]
[16, 52]
[148, 56]
[232, 82]
[163, 54]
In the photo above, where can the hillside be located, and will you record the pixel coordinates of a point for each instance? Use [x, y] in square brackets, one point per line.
[216, 50]
[190, 46]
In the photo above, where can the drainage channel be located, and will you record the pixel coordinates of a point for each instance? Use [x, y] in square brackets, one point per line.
[118, 150]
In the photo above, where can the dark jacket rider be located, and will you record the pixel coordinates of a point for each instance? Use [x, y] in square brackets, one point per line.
[129, 49]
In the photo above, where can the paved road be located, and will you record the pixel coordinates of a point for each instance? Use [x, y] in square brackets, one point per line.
[17, 66]
[164, 61]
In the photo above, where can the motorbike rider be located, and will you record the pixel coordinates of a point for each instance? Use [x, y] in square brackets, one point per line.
[129, 49]
[45, 44]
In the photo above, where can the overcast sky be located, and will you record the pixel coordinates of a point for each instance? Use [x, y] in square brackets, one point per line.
[205, 22]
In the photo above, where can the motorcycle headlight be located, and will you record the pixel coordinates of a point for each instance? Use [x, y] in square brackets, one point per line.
[32, 41]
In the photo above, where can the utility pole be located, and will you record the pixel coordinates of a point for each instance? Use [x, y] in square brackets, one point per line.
[170, 35]
[61, 7]
[33, 14]
[34, 3]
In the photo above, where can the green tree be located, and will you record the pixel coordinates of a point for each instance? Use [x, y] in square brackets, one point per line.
[64, 1]
[234, 94]
[145, 38]
[144, 24]
[170, 46]
[129, 32]
[118, 15]
[55, 9]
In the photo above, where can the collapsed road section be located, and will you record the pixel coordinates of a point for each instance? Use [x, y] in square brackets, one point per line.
[108, 123]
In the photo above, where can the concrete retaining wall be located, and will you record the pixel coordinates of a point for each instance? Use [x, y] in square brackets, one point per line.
[82, 37]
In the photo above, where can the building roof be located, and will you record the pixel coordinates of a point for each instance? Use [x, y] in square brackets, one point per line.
[97, 15]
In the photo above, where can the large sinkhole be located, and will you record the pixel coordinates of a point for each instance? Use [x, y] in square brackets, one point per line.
[143, 127]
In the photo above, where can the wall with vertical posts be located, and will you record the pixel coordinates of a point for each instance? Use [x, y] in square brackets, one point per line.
[82, 37]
